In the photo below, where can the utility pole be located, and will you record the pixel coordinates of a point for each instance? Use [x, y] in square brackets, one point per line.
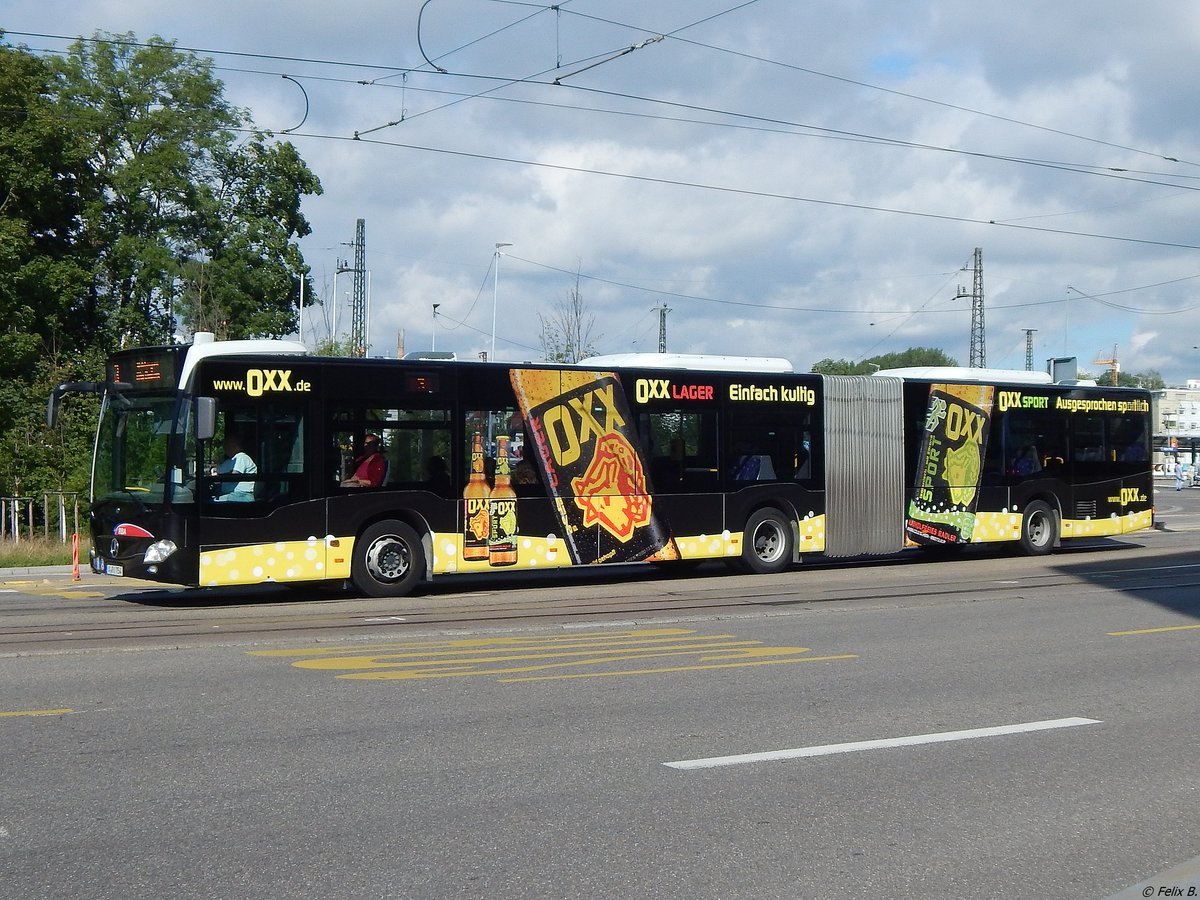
[978, 352]
[343, 265]
[1029, 332]
[978, 342]
[662, 327]
[358, 307]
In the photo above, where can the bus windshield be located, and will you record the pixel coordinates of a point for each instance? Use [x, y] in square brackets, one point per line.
[138, 453]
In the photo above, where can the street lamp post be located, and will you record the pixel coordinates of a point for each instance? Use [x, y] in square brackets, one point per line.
[435, 306]
[495, 295]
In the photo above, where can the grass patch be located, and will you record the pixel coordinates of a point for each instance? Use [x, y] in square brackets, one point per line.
[36, 551]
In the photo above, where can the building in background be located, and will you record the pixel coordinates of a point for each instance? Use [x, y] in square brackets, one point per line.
[1176, 416]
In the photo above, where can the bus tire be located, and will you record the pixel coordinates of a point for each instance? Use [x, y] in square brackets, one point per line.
[767, 543]
[388, 559]
[1039, 529]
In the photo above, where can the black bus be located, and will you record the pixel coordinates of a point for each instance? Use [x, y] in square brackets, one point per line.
[657, 458]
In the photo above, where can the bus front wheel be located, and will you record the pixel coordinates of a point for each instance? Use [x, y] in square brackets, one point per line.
[1039, 529]
[767, 543]
[388, 560]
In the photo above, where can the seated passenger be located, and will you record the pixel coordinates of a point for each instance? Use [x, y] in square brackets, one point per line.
[370, 467]
[1027, 462]
[438, 476]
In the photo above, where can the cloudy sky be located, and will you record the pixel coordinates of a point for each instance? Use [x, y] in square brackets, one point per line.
[788, 179]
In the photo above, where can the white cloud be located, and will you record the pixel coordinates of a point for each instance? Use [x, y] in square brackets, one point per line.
[439, 189]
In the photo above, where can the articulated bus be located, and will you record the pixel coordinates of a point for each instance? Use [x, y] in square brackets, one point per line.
[658, 458]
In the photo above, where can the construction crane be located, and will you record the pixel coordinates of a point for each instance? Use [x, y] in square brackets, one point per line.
[1113, 364]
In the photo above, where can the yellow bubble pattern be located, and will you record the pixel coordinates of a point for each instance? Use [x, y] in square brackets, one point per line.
[551, 551]
[280, 561]
[812, 533]
[996, 526]
[1114, 524]
[1006, 526]
[329, 557]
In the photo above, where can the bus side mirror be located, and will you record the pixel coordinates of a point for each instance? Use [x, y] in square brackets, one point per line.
[71, 387]
[206, 418]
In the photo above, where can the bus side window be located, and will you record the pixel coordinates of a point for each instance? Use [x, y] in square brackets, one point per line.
[765, 443]
[682, 449]
[410, 439]
[271, 435]
[1030, 444]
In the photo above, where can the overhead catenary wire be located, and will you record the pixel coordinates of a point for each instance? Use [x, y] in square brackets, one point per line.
[1107, 171]
[768, 195]
[1084, 168]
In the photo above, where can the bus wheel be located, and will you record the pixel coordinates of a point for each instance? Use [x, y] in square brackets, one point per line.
[1039, 529]
[767, 545]
[388, 560]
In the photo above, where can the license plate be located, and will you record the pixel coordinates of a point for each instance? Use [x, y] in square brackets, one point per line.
[114, 569]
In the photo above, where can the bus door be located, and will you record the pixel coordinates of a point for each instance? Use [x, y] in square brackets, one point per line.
[683, 448]
[774, 454]
[506, 488]
[256, 520]
[1110, 463]
[388, 453]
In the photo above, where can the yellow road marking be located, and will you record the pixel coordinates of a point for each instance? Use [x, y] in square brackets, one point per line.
[544, 658]
[1154, 630]
[44, 589]
[36, 712]
[768, 662]
[457, 644]
[393, 660]
[66, 593]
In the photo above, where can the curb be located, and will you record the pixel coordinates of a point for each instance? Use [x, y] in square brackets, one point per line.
[39, 570]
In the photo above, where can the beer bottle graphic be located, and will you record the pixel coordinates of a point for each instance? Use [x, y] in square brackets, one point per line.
[502, 512]
[475, 506]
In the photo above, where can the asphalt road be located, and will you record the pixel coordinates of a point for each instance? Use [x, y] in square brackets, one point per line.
[986, 726]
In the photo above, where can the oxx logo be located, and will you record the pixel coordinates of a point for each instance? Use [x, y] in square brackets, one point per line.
[964, 424]
[1016, 400]
[572, 425]
[263, 381]
[648, 389]
[1009, 400]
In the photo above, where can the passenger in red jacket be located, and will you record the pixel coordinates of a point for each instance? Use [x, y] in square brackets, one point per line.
[370, 467]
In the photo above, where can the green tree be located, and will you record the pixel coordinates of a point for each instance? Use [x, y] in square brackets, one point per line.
[44, 274]
[246, 281]
[913, 356]
[185, 216]
[829, 366]
[130, 197]
[1152, 380]
[154, 117]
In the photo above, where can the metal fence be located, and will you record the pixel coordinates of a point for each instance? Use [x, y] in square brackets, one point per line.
[24, 517]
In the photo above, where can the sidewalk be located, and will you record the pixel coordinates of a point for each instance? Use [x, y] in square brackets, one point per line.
[18, 571]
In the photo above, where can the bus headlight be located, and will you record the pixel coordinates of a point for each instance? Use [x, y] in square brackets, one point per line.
[159, 551]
